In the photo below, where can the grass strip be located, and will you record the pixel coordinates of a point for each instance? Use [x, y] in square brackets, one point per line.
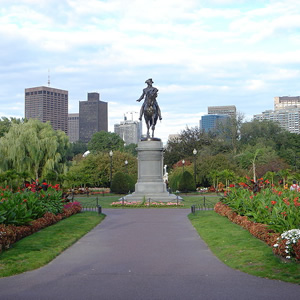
[238, 249]
[41, 247]
[105, 201]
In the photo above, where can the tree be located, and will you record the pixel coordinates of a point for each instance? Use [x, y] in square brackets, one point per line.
[229, 131]
[103, 141]
[5, 124]
[186, 183]
[253, 156]
[183, 146]
[255, 132]
[131, 148]
[34, 147]
[122, 183]
[94, 169]
[78, 148]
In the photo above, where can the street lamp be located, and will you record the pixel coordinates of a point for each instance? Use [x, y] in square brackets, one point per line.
[126, 166]
[183, 162]
[110, 175]
[195, 153]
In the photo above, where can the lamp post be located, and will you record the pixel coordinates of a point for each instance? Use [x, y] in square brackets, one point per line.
[195, 153]
[126, 166]
[183, 162]
[110, 175]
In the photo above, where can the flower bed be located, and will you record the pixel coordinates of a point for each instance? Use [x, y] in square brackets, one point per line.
[279, 242]
[140, 204]
[10, 234]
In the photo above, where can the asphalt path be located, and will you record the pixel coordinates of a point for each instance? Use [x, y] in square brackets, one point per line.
[141, 254]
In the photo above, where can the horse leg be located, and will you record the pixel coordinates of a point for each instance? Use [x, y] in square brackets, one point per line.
[148, 130]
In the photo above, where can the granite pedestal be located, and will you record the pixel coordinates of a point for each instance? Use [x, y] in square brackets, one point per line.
[150, 182]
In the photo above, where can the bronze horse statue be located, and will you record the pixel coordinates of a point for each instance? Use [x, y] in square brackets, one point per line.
[151, 111]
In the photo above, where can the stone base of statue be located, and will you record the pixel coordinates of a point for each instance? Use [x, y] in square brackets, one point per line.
[150, 182]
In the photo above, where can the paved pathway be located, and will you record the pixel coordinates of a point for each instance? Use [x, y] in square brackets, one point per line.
[142, 254]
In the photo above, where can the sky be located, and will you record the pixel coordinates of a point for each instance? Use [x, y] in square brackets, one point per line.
[199, 53]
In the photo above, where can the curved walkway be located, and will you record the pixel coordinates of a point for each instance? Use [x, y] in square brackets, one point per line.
[141, 254]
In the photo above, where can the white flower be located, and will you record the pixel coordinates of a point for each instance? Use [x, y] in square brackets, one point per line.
[288, 257]
[286, 251]
[275, 245]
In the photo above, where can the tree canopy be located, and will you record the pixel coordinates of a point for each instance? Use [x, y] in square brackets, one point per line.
[34, 147]
[103, 141]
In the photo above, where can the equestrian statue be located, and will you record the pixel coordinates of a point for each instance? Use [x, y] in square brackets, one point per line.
[150, 108]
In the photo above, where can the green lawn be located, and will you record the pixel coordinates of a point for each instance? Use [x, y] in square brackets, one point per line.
[238, 249]
[40, 248]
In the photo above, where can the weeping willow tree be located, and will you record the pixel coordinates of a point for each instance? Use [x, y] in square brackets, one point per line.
[34, 147]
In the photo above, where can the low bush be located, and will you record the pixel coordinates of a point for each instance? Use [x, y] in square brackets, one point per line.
[186, 182]
[122, 183]
[10, 234]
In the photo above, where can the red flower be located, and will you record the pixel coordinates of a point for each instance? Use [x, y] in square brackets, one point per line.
[273, 202]
[231, 185]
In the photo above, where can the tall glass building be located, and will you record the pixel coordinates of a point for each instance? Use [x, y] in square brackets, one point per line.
[210, 122]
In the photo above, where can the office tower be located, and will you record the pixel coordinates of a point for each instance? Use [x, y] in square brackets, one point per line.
[286, 101]
[73, 127]
[92, 117]
[47, 104]
[222, 110]
[210, 122]
[288, 118]
[130, 131]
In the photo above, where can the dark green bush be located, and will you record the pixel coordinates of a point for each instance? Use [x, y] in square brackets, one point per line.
[186, 182]
[122, 183]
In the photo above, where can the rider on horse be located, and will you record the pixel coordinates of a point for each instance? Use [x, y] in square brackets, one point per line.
[148, 92]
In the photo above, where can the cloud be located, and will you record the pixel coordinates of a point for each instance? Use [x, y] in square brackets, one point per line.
[199, 53]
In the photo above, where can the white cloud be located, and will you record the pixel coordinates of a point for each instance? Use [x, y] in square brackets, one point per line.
[197, 52]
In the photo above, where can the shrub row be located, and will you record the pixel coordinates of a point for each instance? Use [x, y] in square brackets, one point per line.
[259, 230]
[10, 234]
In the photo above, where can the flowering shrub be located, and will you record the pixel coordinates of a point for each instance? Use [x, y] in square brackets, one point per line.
[279, 209]
[145, 204]
[10, 234]
[288, 244]
[24, 206]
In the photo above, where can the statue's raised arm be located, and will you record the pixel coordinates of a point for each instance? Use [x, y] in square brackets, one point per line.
[150, 108]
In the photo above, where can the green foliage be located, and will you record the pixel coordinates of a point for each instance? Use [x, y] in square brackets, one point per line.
[121, 183]
[78, 148]
[6, 123]
[131, 148]
[34, 147]
[22, 207]
[186, 182]
[103, 141]
[279, 209]
[94, 169]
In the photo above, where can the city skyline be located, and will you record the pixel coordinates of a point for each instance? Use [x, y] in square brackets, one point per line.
[198, 53]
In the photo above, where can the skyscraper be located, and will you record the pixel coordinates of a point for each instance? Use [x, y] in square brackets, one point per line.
[222, 110]
[210, 122]
[73, 127]
[92, 117]
[47, 104]
[288, 118]
[129, 131]
[286, 101]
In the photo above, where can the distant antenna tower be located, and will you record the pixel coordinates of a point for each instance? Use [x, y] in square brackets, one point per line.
[49, 77]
